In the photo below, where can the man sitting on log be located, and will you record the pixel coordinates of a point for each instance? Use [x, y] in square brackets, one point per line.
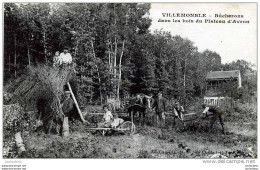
[107, 118]
[217, 113]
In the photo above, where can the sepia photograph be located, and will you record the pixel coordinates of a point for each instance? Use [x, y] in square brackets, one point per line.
[129, 81]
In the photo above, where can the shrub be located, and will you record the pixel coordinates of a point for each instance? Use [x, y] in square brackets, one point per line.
[15, 119]
[241, 113]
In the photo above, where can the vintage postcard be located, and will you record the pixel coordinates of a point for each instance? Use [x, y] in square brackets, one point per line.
[175, 81]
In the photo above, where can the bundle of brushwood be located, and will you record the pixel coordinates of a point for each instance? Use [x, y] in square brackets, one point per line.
[41, 88]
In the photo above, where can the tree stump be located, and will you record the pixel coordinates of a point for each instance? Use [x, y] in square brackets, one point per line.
[19, 143]
[65, 127]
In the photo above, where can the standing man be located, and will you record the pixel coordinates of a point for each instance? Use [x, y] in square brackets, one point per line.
[56, 59]
[65, 61]
[178, 111]
[138, 100]
[160, 109]
[217, 114]
[65, 57]
[67, 108]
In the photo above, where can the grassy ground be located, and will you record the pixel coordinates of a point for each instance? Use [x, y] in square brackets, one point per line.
[240, 142]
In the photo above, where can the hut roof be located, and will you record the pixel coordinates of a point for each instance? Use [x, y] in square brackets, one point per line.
[223, 74]
[41, 85]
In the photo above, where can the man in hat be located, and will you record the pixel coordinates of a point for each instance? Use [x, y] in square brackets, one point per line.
[178, 111]
[65, 57]
[68, 104]
[217, 114]
[160, 109]
[67, 107]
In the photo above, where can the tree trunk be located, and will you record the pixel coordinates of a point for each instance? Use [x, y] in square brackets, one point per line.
[110, 53]
[28, 54]
[9, 68]
[44, 46]
[120, 70]
[65, 127]
[99, 79]
[90, 87]
[100, 90]
[200, 91]
[184, 81]
[15, 55]
[115, 69]
[76, 48]
[178, 75]
[109, 61]
[19, 143]
[115, 53]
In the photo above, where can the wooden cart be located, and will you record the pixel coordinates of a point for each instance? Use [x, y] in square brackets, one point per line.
[183, 119]
[186, 119]
[127, 128]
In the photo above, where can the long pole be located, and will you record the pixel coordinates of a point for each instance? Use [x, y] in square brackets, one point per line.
[77, 106]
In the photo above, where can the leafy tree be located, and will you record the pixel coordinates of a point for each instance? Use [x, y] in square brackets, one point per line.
[115, 53]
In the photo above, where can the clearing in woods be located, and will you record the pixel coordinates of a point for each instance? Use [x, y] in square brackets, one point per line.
[240, 142]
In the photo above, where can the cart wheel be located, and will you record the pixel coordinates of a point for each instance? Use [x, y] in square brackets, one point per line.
[129, 126]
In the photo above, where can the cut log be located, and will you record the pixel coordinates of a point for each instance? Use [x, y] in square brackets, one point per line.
[77, 106]
[65, 127]
[188, 114]
[19, 143]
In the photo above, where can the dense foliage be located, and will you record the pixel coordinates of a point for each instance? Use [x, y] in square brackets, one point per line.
[115, 53]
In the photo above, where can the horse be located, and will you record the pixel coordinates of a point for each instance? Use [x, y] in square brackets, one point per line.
[140, 108]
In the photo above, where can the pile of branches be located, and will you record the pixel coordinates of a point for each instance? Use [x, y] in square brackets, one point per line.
[41, 89]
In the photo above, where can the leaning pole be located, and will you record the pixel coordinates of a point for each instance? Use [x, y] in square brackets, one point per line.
[76, 103]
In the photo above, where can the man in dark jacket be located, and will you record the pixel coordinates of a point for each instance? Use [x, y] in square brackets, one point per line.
[178, 111]
[217, 112]
[160, 109]
[68, 104]
[67, 108]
